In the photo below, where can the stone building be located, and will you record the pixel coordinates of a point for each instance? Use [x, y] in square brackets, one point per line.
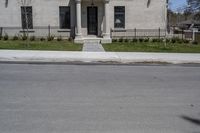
[82, 19]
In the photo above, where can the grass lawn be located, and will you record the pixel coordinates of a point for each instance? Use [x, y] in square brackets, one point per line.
[151, 47]
[40, 45]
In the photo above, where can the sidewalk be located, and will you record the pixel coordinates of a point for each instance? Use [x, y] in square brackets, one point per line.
[93, 47]
[94, 57]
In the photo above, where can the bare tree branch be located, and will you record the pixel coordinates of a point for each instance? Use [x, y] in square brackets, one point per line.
[148, 3]
[6, 3]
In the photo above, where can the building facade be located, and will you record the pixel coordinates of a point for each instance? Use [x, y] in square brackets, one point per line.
[81, 19]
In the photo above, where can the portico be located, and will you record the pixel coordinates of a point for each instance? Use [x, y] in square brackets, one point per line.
[92, 20]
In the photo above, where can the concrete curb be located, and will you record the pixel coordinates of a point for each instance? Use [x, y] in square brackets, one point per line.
[92, 57]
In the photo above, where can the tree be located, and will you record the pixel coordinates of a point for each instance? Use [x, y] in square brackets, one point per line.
[194, 6]
[25, 13]
[187, 13]
[148, 3]
[6, 3]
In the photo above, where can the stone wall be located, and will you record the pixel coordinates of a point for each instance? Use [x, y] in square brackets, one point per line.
[46, 12]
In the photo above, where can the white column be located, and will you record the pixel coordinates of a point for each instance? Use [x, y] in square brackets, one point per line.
[78, 18]
[107, 24]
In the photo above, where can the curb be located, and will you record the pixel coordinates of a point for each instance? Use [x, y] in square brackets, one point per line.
[30, 56]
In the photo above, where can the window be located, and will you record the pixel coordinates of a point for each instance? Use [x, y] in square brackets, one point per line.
[27, 18]
[119, 17]
[64, 17]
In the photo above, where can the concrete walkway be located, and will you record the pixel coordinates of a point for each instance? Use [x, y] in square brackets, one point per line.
[93, 57]
[93, 47]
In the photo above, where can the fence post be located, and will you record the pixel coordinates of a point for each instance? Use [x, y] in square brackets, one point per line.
[135, 33]
[1, 31]
[159, 32]
[194, 30]
[110, 32]
[193, 35]
[49, 31]
[182, 33]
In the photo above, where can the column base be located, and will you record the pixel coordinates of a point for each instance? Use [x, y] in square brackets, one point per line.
[78, 39]
[106, 39]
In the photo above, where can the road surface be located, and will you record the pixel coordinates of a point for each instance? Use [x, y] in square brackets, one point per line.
[99, 99]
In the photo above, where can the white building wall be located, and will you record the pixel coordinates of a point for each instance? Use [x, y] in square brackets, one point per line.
[10, 16]
[46, 12]
[138, 15]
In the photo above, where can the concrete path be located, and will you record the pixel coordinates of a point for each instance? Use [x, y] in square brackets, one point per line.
[93, 47]
[117, 57]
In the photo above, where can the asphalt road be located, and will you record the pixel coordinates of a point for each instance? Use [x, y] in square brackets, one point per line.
[99, 99]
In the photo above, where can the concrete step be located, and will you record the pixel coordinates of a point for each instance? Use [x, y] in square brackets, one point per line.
[92, 41]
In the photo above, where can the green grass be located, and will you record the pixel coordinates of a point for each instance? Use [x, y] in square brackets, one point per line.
[151, 47]
[40, 45]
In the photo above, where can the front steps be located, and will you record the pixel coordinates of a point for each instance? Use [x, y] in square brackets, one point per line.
[92, 40]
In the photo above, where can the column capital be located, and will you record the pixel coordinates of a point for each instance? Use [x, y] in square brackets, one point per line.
[106, 1]
[78, 1]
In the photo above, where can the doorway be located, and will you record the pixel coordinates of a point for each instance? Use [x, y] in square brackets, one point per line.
[92, 20]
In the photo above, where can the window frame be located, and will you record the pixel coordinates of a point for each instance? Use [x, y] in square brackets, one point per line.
[120, 13]
[68, 23]
[23, 17]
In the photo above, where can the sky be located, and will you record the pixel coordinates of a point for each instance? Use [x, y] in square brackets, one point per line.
[177, 3]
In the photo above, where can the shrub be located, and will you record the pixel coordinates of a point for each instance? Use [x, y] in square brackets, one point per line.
[194, 42]
[32, 38]
[24, 37]
[186, 41]
[70, 39]
[42, 39]
[0, 37]
[5, 38]
[121, 40]
[160, 40]
[179, 41]
[126, 40]
[157, 40]
[50, 38]
[141, 40]
[176, 40]
[146, 40]
[173, 40]
[154, 40]
[167, 40]
[114, 40]
[15, 38]
[59, 38]
[134, 40]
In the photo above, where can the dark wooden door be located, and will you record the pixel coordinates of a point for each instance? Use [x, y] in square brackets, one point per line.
[92, 20]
